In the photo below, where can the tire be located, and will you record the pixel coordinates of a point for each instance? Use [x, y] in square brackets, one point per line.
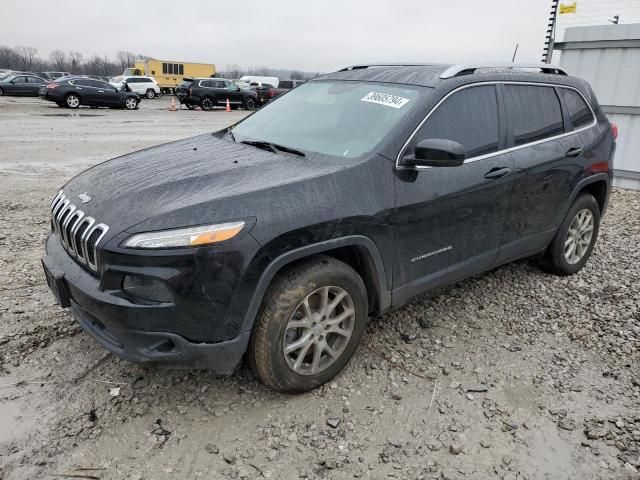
[573, 243]
[72, 100]
[150, 94]
[1, 92]
[250, 104]
[207, 104]
[131, 103]
[285, 298]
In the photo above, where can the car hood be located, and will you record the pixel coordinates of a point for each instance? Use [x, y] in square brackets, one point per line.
[189, 182]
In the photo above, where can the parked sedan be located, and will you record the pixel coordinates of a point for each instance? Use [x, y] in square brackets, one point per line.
[72, 92]
[21, 85]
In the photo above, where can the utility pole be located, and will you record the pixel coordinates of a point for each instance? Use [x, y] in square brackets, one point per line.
[551, 32]
[615, 20]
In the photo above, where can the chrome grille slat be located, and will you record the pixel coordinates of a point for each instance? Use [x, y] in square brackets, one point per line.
[67, 221]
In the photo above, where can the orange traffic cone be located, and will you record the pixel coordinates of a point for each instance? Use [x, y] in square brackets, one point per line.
[173, 105]
[228, 109]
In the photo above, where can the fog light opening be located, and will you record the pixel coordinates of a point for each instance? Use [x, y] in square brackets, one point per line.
[147, 289]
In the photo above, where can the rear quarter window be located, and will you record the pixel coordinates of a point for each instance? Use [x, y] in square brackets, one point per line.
[579, 112]
[533, 112]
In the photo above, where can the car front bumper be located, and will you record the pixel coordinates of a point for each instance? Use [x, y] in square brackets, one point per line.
[148, 333]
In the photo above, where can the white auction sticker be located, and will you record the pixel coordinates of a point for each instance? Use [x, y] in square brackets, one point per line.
[385, 99]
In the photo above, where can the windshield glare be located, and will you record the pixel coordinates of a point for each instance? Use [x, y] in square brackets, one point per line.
[343, 119]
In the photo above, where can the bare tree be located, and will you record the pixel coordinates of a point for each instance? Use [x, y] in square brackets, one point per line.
[75, 59]
[9, 58]
[126, 59]
[58, 59]
[26, 56]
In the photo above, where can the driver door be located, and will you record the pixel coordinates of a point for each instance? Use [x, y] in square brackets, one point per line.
[449, 221]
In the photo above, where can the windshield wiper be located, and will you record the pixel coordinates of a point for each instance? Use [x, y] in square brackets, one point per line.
[274, 147]
[231, 135]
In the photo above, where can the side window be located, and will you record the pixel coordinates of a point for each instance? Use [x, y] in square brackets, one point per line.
[534, 113]
[469, 117]
[579, 111]
[165, 68]
[20, 80]
[229, 85]
[218, 84]
[180, 69]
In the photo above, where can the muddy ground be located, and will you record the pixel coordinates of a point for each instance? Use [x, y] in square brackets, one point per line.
[513, 374]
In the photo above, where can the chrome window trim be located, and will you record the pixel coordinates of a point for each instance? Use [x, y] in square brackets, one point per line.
[506, 150]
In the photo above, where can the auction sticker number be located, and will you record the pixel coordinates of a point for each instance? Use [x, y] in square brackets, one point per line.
[385, 99]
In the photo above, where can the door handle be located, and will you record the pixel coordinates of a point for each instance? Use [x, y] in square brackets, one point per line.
[574, 152]
[496, 173]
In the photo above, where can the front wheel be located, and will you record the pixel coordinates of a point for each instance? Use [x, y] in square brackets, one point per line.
[574, 241]
[309, 326]
[72, 101]
[250, 104]
[131, 103]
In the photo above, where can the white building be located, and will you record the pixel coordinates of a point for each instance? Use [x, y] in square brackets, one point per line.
[608, 57]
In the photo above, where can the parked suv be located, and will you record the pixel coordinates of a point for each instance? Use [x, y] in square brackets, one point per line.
[345, 198]
[144, 86]
[211, 92]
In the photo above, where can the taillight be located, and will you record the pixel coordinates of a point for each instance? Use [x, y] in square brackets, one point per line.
[272, 92]
[53, 85]
[614, 130]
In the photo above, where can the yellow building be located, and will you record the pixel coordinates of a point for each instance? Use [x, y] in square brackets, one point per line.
[168, 73]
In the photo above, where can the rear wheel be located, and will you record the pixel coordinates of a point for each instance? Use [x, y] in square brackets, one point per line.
[131, 103]
[207, 104]
[150, 93]
[574, 241]
[309, 326]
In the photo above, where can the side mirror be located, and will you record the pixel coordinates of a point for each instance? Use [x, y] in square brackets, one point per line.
[436, 152]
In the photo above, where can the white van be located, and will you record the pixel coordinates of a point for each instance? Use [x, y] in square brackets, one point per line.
[273, 81]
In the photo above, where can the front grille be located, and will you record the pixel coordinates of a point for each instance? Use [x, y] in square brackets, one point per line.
[78, 233]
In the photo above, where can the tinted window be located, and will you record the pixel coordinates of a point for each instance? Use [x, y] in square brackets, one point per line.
[469, 117]
[34, 80]
[285, 84]
[578, 110]
[534, 112]
[218, 84]
[83, 82]
[165, 69]
[20, 80]
[180, 69]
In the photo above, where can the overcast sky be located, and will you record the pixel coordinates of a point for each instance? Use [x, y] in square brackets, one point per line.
[310, 35]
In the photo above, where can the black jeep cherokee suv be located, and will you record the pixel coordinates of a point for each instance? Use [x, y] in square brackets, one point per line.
[282, 234]
[207, 93]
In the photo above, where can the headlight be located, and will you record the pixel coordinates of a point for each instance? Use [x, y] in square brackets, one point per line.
[185, 237]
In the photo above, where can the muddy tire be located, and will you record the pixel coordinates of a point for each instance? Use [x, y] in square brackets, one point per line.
[309, 326]
[573, 243]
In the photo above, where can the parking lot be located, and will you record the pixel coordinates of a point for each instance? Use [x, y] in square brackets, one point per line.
[513, 374]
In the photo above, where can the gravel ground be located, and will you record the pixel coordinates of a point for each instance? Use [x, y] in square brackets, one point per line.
[513, 374]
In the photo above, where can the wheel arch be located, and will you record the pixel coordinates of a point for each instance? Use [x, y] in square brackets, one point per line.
[359, 252]
[598, 185]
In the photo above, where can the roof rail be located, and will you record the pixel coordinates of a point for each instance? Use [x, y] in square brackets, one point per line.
[361, 66]
[467, 69]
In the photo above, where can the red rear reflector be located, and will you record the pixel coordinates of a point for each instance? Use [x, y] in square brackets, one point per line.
[614, 130]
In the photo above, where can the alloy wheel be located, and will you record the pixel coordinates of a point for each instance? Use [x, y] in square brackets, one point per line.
[579, 236]
[319, 330]
[73, 101]
[207, 104]
[131, 103]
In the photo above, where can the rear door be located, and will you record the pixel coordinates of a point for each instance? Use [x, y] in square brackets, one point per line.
[449, 220]
[18, 86]
[547, 158]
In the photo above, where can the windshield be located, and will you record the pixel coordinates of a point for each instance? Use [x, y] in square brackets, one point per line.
[344, 119]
